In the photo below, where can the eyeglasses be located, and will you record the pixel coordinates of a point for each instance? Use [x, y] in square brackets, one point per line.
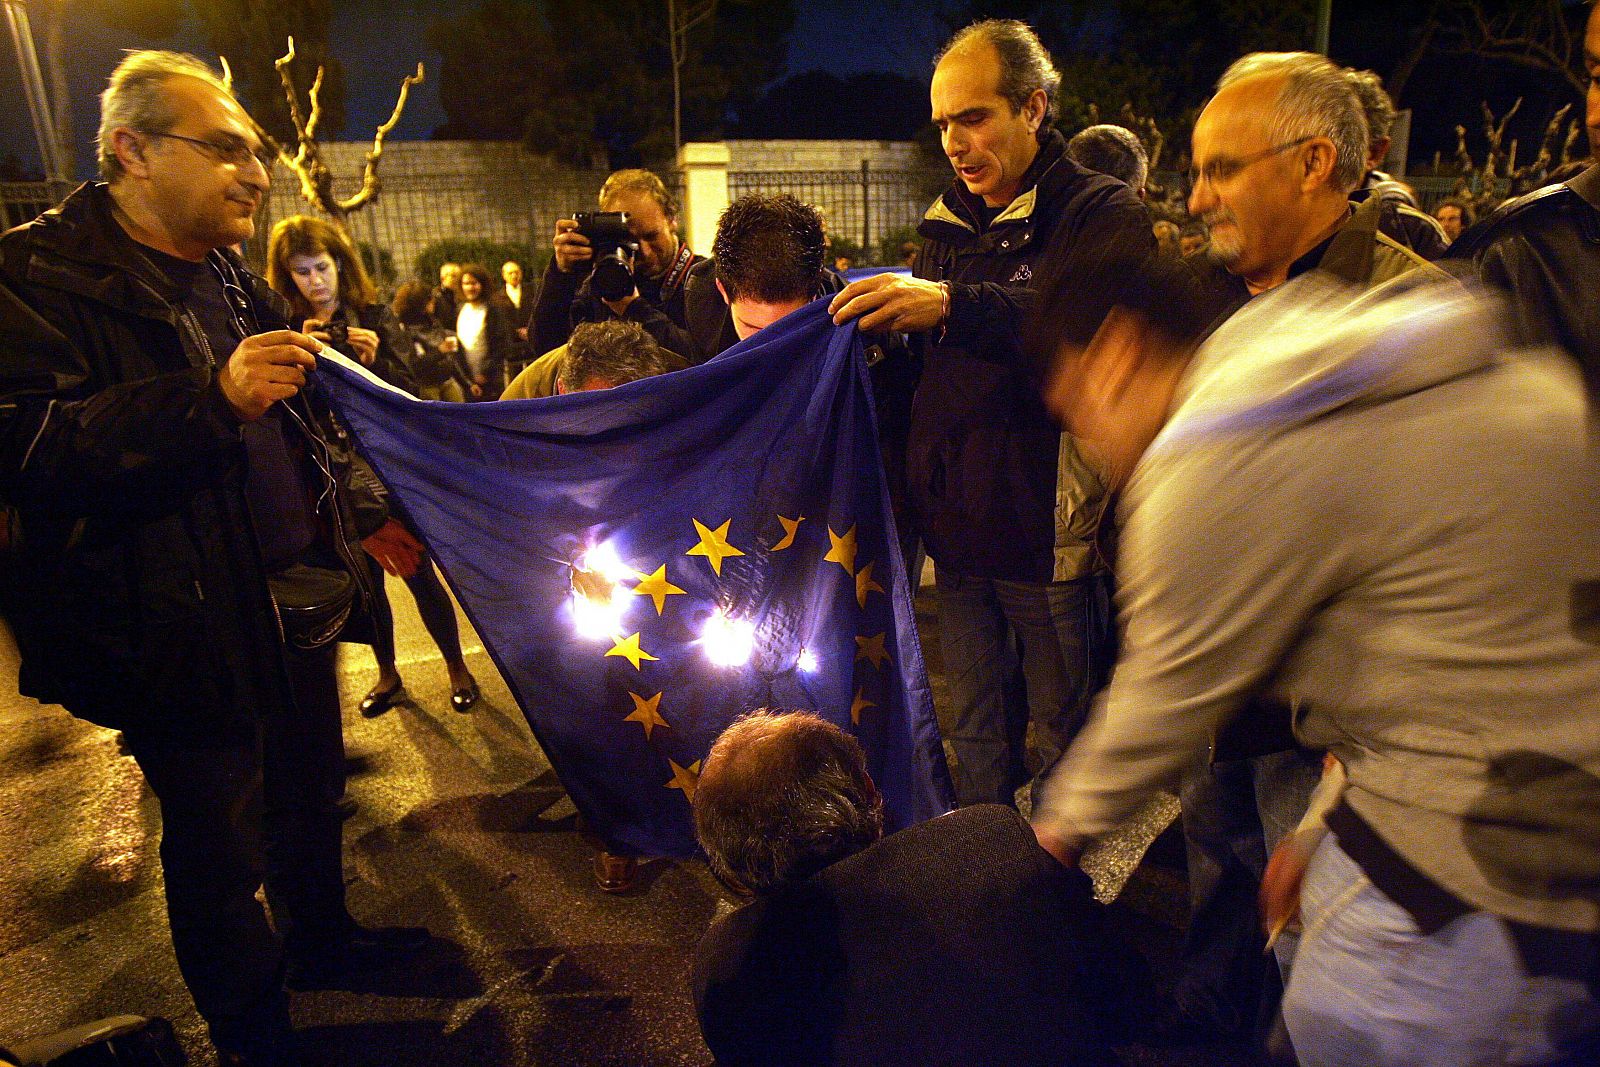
[232, 151]
[1225, 167]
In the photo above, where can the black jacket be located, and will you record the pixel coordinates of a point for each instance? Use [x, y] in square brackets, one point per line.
[565, 301]
[956, 941]
[1401, 218]
[393, 361]
[1544, 249]
[132, 577]
[982, 455]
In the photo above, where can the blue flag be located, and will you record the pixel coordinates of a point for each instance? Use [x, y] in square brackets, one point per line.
[647, 563]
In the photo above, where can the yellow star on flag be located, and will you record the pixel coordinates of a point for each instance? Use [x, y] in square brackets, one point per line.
[790, 528]
[646, 713]
[685, 778]
[871, 649]
[858, 705]
[713, 545]
[628, 648]
[657, 588]
[865, 585]
[843, 551]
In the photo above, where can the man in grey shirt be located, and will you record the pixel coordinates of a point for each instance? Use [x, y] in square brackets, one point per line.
[1373, 508]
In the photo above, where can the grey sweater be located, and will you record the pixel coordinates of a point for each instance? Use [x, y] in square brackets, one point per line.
[1372, 508]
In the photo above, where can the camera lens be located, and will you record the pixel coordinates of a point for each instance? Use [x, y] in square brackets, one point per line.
[612, 280]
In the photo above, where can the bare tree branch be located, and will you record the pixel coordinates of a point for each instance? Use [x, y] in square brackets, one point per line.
[1533, 34]
[369, 175]
[306, 163]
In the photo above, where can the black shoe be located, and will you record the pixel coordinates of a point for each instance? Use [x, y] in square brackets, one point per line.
[361, 949]
[464, 698]
[378, 701]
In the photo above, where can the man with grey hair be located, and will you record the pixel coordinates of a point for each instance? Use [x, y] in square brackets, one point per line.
[156, 454]
[955, 941]
[1277, 152]
[604, 355]
[1006, 504]
[1113, 150]
[1402, 218]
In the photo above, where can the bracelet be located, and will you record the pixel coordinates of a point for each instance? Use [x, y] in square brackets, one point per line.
[944, 308]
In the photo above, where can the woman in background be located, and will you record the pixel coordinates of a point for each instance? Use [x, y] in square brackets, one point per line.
[435, 353]
[484, 333]
[314, 266]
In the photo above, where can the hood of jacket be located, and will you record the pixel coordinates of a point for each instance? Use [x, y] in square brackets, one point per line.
[1316, 345]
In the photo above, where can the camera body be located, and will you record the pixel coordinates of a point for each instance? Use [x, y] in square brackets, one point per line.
[614, 249]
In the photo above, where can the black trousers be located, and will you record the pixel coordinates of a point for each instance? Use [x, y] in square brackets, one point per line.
[235, 814]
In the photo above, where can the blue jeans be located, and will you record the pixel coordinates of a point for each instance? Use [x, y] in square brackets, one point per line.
[1013, 652]
[1234, 813]
[1370, 988]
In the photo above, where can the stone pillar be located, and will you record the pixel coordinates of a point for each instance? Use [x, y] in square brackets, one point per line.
[705, 191]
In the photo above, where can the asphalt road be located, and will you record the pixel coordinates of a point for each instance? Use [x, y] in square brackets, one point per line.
[463, 829]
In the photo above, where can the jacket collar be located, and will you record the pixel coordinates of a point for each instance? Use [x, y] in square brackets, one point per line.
[958, 207]
[79, 247]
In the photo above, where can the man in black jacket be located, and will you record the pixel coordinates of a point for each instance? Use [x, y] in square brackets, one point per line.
[159, 458]
[660, 268]
[958, 941]
[1004, 502]
[1544, 248]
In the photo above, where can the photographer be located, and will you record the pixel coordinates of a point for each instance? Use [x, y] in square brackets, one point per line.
[658, 262]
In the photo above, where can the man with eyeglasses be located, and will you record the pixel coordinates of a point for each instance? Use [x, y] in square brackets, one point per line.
[172, 492]
[1277, 152]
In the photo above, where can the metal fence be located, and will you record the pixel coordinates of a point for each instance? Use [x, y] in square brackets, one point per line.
[22, 201]
[415, 210]
[863, 206]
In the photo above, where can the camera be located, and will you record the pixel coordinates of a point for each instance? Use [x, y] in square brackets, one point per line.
[614, 248]
[338, 334]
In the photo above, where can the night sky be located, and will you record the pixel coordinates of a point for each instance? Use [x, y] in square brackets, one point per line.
[380, 41]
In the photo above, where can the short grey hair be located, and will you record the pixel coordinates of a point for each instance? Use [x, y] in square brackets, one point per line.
[615, 352]
[1025, 64]
[134, 97]
[1316, 101]
[1113, 150]
[783, 796]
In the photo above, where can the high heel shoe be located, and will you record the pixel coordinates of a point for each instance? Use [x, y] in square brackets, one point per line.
[378, 701]
[464, 698]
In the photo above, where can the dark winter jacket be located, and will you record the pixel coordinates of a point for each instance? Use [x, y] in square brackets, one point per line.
[132, 576]
[982, 456]
[393, 361]
[565, 302]
[1544, 249]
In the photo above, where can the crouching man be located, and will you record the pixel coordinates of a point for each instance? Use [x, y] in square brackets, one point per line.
[958, 941]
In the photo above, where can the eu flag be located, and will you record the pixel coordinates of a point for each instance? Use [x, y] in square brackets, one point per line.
[649, 562]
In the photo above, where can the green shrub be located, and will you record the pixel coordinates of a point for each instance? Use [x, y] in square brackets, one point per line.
[380, 267]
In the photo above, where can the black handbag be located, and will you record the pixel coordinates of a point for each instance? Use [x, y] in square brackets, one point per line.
[313, 604]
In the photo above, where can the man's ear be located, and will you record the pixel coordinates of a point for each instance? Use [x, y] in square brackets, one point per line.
[1034, 110]
[129, 149]
[1317, 163]
[723, 290]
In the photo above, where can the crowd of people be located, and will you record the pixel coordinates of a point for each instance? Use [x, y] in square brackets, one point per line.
[1302, 528]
